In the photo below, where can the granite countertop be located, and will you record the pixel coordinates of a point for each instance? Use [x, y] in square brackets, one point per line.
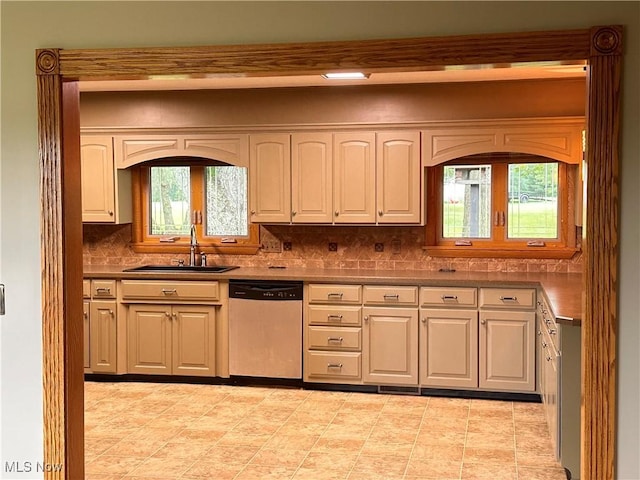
[563, 290]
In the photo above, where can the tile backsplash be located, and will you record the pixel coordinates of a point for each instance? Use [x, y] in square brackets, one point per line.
[380, 248]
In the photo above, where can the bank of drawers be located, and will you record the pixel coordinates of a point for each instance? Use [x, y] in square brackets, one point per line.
[333, 333]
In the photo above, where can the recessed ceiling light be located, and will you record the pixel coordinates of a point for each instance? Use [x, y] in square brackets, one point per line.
[346, 76]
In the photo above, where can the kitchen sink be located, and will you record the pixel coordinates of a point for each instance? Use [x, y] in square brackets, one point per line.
[182, 268]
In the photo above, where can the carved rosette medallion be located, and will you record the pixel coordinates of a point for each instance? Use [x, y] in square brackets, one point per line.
[606, 41]
[47, 62]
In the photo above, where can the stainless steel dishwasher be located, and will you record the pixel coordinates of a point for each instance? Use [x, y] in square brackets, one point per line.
[265, 328]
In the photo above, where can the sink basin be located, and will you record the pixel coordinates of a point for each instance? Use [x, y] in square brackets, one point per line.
[182, 268]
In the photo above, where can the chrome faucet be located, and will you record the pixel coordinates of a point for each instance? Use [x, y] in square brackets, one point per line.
[193, 244]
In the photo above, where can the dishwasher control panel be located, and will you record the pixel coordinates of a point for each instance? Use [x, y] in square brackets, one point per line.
[265, 290]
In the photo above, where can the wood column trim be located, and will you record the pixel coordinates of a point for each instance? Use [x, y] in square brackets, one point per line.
[600, 323]
[61, 232]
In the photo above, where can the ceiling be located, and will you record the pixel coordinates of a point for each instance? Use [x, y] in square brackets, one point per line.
[463, 73]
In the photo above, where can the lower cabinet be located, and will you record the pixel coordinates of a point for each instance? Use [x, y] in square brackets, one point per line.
[449, 348]
[172, 339]
[102, 336]
[390, 346]
[507, 351]
[86, 308]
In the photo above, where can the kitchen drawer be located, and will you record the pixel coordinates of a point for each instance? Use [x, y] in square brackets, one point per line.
[448, 296]
[161, 290]
[333, 365]
[334, 338]
[320, 293]
[328, 315]
[86, 288]
[103, 288]
[385, 295]
[519, 298]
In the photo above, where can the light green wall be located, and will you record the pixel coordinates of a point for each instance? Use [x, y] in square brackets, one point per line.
[30, 25]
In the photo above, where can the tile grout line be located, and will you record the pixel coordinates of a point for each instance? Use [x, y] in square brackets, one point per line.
[359, 454]
[424, 413]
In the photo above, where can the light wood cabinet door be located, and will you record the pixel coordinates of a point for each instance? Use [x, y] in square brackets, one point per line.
[390, 346]
[507, 351]
[98, 186]
[449, 348]
[86, 312]
[270, 178]
[149, 339]
[398, 177]
[102, 336]
[194, 340]
[105, 191]
[312, 178]
[354, 178]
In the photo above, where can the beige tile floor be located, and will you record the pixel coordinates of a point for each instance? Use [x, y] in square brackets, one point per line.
[147, 431]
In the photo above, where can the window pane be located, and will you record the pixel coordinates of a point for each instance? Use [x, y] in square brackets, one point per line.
[170, 197]
[533, 200]
[226, 193]
[466, 209]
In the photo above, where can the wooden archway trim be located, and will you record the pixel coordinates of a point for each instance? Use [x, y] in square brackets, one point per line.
[61, 237]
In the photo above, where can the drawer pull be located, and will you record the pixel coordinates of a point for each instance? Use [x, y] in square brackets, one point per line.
[334, 339]
[509, 299]
[334, 318]
[335, 295]
[391, 296]
[449, 297]
[334, 365]
[103, 291]
[169, 291]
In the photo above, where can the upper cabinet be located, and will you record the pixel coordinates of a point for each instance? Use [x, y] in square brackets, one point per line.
[106, 191]
[312, 178]
[398, 177]
[270, 177]
[340, 178]
[355, 177]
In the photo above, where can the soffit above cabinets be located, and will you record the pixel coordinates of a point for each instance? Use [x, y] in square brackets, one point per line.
[469, 73]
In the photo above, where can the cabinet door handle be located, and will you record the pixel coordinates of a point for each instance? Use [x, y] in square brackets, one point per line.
[171, 291]
[366, 318]
[85, 315]
[293, 213]
[168, 315]
[334, 339]
[336, 213]
[449, 297]
[390, 296]
[380, 213]
[174, 316]
[334, 318]
[110, 212]
[111, 312]
[334, 365]
[424, 320]
[334, 295]
[509, 299]
[483, 322]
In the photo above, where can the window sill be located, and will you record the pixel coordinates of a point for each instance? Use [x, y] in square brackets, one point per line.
[471, 252]
[230, 249]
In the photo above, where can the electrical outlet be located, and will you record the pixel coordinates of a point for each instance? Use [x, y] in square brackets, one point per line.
[333, 247]
[395, 246]
[286, 246]
[379, 247]
[272, 245]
